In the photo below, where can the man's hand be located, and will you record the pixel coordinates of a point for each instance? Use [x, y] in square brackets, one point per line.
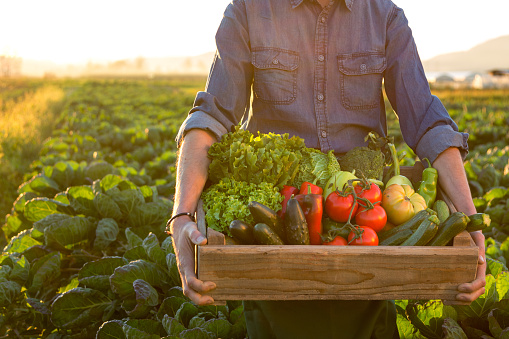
[185, 237]
[471, 291]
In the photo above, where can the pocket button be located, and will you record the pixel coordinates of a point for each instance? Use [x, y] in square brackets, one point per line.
[363, 67]
[275, 61]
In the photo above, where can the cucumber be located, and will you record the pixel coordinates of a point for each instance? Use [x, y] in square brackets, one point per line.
[442, 210]
[455, 224]
[242, 232]
[264, 235]
[296, 227]
[265, 215]
[398, 238]
[478, 222]
[424, 233]
[411, 224]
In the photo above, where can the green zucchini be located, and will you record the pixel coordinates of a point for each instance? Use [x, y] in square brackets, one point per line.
[264, 235]
[442, 210]
[398, 238]
[478, 222]
[455, 224]
[242, 232]
[424, 233]
[266, 215]
[296, 227]
[411, 224]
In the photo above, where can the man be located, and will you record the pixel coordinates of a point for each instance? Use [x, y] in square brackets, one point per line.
[314, 68]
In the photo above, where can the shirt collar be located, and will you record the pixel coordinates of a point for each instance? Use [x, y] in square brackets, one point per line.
[296, 3]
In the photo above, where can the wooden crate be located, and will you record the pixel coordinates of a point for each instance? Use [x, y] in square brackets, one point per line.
[314, 272]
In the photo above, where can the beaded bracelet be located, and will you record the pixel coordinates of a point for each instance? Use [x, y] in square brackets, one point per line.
[189, 214]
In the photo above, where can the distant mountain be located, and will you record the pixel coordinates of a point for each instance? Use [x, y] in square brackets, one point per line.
[492, 54]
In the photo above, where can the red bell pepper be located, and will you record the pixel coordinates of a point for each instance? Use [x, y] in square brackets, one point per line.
[312, 206]
[307, 186]
[287, 192]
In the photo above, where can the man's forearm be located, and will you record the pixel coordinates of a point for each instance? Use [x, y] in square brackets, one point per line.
[453, 180]
[192, 170]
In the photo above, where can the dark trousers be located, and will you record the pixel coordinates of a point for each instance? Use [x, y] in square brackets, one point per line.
[317, 319]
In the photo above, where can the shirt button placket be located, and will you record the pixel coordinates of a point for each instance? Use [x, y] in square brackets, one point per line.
[320, 77]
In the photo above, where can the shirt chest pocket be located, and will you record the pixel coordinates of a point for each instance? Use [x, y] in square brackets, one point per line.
[275, 75]
[360, 80]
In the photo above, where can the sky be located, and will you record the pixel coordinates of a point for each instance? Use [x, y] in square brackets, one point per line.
[77, 31]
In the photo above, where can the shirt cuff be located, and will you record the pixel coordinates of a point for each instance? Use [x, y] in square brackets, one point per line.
[440, 138]
[200, 120]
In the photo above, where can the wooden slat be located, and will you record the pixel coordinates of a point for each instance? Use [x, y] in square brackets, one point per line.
[334, 272]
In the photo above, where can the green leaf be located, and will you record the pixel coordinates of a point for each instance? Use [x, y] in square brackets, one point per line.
[480, 307]
[112, 329]
[126, 200]
[78, 308]
[39, 305]
[98, 170]
[186, 312]
[494, 267]
[21, 242]
[172, 326]
[498, 321]
[19, 204]
[503, 285]
[167, 245]
[171, 262]
[81, 199]
[43, 272]
[133, 239]
[146, 298]
[452, 330]
[50, 220]
[149, 326]
[105, 233]
[39, 208]
[110, 181]
[15, 223]
[107, 207]
[124, 276]
[426, 317]
[154, 251]
[44, 185]
[147, 214]
[20, 271]
[62, 173]
[96, 274]
[136, 253]
[170, 306]
[69, 232]
[72, 284]
[9, 291]
[219, 327]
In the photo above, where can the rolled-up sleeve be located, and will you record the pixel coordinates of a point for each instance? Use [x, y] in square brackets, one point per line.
[425, 123]
[226, 99]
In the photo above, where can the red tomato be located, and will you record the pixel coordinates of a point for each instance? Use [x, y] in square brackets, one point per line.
[373, 193]
[338, 207]
[368, 238]
[376, 218]
[337, 241]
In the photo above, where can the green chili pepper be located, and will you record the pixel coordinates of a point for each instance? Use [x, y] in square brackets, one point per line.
[428, 187]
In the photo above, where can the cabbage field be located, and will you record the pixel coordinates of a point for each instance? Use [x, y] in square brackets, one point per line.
[88, 176]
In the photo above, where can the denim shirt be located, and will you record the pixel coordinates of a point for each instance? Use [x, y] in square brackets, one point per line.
[291, 66]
